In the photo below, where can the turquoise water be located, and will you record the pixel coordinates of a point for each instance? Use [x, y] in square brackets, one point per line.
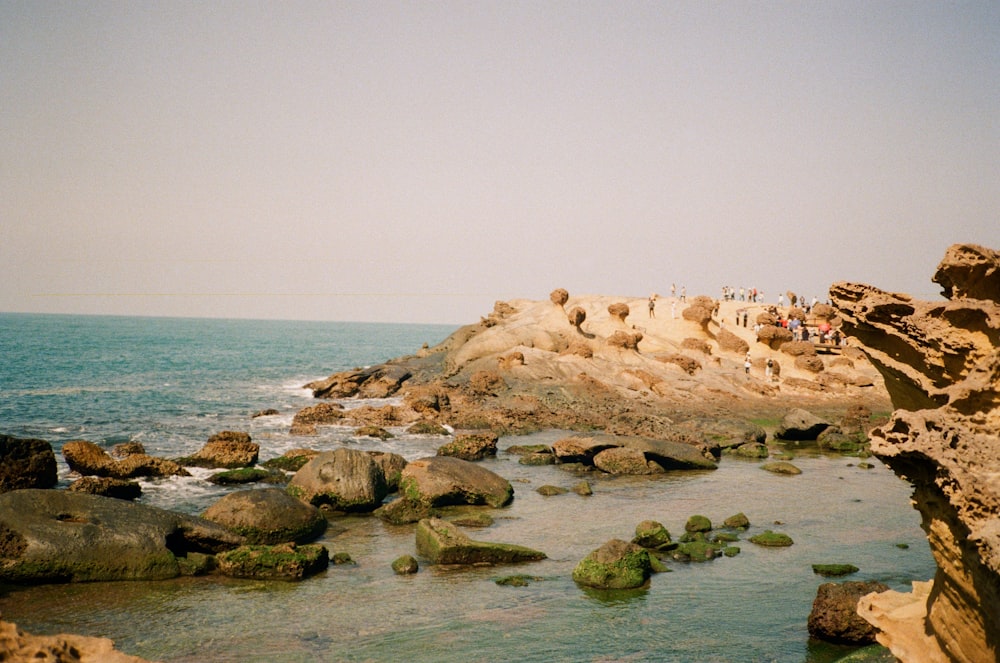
[171, 383]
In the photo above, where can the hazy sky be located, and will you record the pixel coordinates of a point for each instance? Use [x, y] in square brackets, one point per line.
[417, 161]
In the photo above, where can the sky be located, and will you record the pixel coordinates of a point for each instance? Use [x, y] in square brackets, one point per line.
[419, 161]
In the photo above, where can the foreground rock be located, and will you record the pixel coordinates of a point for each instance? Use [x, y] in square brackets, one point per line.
[62, 536]
[834, 616]
[16, 646]
[267, 516]
[442, 542]
[26, 463]
[942, 368]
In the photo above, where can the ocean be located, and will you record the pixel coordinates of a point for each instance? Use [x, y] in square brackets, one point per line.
[171, 383]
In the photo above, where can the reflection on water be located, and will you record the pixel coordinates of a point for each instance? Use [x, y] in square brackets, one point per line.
[752, 607]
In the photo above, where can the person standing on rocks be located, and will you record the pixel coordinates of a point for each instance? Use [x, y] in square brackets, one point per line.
[652, 306]
[746, 365]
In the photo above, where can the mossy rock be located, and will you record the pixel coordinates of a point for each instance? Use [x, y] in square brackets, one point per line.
[833, 570]
[731, 551]
[695, 551]
[698, 524]
[903, 546]
[286, 463]
[341, 558]
[738, 521]
[781, 467]
[528, 449]
[427, 428]
[403, 511]
[374, 431]
[442, 542]
[750, 450]
[772, 539]
[537, 460]
[196, 564]
[691, 537]
[549, 491]
[405, 565]
[615, 565]
[583, 488]
[517, 580]
[282, 562]
[651, 534]
[724, 537]
[473, 520]
[245, 475]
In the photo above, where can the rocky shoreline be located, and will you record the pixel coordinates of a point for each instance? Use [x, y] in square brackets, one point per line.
[642, 396]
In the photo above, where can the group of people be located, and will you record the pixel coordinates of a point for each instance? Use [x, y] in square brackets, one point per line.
[673, 303]
[729, 294]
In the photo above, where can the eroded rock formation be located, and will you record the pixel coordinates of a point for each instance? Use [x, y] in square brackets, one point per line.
[941, 364]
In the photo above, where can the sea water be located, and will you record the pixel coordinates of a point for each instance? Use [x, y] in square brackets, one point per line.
[171, 383]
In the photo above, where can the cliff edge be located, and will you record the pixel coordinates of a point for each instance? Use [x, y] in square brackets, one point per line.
[941, 366]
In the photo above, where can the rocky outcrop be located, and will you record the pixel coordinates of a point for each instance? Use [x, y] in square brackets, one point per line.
[227, 449]
[267, 516]
[26, 463]
[63, 536]
[941, 364]
[88, 459]
[16, 646]
[379, 381]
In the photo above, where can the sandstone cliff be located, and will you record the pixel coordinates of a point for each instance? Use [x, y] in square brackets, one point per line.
[941, 364]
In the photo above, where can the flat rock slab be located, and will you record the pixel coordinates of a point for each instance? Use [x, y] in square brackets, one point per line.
[63, 536]
[442, 542]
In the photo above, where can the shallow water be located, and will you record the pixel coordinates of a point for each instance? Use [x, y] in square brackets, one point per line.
[752, 607]
[171, 383]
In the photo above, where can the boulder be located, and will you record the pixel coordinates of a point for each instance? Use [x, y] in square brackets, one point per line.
[773, 336]
[834, 616]
[698, 523]
[800, 424]
[969, 271]
[621, 460]
[687, 364]
[121, 489]
[405, 565]
[88, 459]
[341, 480]
[581, 449]
[559, 296]
[63, 536]
[770, 539]
[442, 542]
[781, 467]
[737, 521]
[290, 461]
[471, 445]
[267, 516]
[615, 565]
[245, 475]
[701, 315]
[677, 453]
[403, 511]
[26, 463]
[811, 363]
[618, 311]
[285, 561]
[698, 345]
[322, 414]
[444, 481]
[798, 348]
[228, 449]
[625, 340]
[577, 316]
[653, 535]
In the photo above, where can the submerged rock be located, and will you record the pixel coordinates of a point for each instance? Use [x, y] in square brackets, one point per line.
[281, 562]
[442, 542]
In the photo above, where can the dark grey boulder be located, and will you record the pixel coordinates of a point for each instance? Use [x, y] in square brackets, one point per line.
[63, 536]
